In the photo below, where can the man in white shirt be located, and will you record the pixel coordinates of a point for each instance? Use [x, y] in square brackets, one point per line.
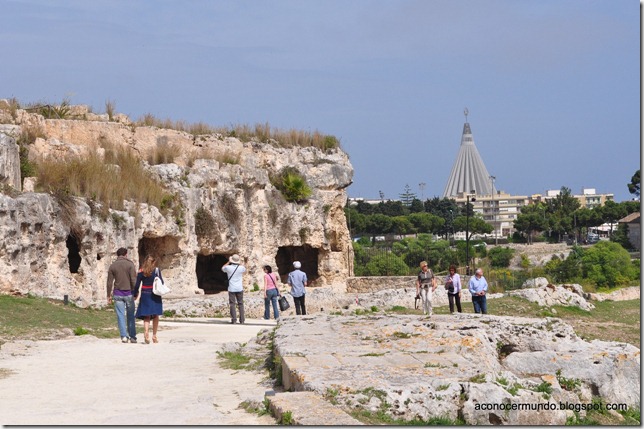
[234, 271]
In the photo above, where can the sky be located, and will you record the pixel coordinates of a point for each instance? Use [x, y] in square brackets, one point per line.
[552, 86]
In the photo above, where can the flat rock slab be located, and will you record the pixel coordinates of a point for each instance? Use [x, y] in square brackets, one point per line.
[308, 409]
[421, 368]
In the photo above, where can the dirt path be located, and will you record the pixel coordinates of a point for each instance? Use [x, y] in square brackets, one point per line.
[89, 381]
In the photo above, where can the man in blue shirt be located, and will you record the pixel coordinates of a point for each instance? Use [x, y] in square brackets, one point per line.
[297, 279]
[478, 289]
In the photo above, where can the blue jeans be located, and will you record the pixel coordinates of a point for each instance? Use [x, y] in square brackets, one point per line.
[271, 297]
[480, 303]
[124, 306]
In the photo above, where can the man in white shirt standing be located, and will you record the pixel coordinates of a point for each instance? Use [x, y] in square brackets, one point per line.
[234, 271]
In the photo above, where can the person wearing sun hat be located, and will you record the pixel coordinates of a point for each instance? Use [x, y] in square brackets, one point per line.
[297, 279]
[234, 271]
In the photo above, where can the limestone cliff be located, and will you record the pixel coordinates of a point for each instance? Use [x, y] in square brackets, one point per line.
[225, 203]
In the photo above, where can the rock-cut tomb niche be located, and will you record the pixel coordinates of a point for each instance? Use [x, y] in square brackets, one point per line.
[210, 278]
[307, 255]
[73, 253]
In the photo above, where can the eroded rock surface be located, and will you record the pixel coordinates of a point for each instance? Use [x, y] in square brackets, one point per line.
[50, 247]
[413, 367]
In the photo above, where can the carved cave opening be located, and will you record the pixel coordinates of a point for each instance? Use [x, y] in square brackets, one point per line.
[307, 255]
[73, 253]
[164, 248]
[210, 278]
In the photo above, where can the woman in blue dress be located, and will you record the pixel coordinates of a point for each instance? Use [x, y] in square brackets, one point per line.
[150, 305]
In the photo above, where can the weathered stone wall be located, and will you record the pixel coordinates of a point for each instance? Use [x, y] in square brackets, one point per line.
[51, 251]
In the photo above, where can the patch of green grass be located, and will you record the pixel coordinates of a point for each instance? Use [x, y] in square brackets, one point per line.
[632, 416]
[514, 389]
[443, 387]
[255, 408]
[331, 395]
[478, 378]
[80, 331]
[373, 354]
[37, 318]
[569, 384]
[169, 313]
[544, 387]
[287, 418]
[502, 381]
[233, 360]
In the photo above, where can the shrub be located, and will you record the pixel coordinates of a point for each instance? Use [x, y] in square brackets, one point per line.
[292, 185]
[607, 264]
[386, 265]
[500, 257]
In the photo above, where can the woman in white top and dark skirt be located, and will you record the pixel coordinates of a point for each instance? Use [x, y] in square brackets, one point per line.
[453, 287]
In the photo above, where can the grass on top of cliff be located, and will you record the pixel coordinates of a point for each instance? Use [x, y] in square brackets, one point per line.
[29, 317]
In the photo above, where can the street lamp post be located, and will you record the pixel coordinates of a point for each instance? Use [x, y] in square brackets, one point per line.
[467, 231]
[494, 209]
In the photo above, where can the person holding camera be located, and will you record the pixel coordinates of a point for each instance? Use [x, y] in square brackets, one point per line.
[453, 287]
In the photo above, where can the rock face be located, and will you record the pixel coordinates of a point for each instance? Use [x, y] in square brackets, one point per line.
[568, 295]
[9, 158]
[52, 247]
[456, 367]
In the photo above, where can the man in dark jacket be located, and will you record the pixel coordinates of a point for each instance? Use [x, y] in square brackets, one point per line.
[122, 276]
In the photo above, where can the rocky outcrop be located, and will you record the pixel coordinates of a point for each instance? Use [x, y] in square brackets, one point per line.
[470, 367]
[536, 282]
[54, 247]
[9, 157]
[624, 294]
[546, 296]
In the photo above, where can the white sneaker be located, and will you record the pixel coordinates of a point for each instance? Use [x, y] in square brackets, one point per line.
[124, 339]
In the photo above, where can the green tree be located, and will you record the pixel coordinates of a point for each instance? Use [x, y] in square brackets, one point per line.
[567, 269]
[500, 257]
[607, 264]
[402, 225]
[426, 223]
[386, 265]
[476, 225]
[560, 211]
[407, 196]
[611, 212]
[634, 186]
[416, 206]
[378, 224]
[356, 222]
[446, 209]
[530, 220]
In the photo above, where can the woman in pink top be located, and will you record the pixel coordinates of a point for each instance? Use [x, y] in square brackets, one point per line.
[271, 293]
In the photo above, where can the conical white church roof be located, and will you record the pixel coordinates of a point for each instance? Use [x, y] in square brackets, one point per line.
[469, 172]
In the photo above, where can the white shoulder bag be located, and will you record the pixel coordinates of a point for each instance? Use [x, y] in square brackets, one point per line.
[159, 287]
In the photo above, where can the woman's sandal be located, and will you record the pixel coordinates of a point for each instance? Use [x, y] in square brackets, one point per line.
[154, 339]
[147, 339]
